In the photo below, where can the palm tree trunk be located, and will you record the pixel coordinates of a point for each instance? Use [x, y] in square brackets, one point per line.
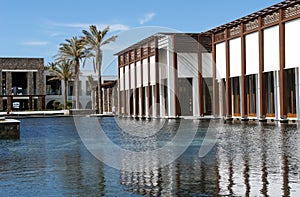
[77, 91]
[100, 100]
[93, 99]
[65, 94]
[77, 85]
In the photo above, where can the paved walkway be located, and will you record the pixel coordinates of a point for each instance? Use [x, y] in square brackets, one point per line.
[22, 113]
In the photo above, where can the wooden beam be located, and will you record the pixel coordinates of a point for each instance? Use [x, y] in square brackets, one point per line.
[149, 86]
[282, 66]
[228, 81]
[200, 78]
[262, 98]
[142, 88]
[243, 74]
[214, 99]
[119, 86]
[175, 72]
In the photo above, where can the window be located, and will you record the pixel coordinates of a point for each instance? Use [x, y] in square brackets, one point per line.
[53, 87]
[269, 94]
[251, 95]
[235, 84]
[290, 92]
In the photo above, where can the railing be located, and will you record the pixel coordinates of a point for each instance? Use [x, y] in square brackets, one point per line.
[10, 99]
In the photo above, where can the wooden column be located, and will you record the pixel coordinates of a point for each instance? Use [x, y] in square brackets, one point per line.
[200, 78]
[283, 114]
[157, 82]
[136, 89]
[214, 70]
[228, 82]
[141, 91]
[119, 87]
[124, 91]
[129, 87]
[262, 99]
[149, 85]
[175, 72]
[243, 74]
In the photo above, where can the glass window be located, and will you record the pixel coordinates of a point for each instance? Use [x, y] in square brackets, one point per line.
[235, 84]
[269, 94]
[251, 95]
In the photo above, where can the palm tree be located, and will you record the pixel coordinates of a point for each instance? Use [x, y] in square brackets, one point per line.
[74, 51]
[94, 41]
[62, 71]
[92, 88]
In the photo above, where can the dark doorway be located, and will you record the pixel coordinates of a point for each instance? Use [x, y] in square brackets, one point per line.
[185, 96]
[19, 83]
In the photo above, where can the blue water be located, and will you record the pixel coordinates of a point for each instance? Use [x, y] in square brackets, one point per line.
[247, 160]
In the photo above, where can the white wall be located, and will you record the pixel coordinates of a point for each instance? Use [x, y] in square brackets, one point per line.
[138, 74]
[121, 79]
[163, 63]
[271, 49]
[145, 72]
[252, 54]
[220, 61]
[235, 57]
[187, 65]
[292, 44]
[132, 76]
[207, 63]
[152, 70]
[127, 77]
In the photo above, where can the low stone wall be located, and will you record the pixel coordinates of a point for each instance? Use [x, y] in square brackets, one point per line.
[81, 112]
[9, 129]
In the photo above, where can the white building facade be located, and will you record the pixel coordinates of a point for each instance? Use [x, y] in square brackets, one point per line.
[162, 76]
[55, 91]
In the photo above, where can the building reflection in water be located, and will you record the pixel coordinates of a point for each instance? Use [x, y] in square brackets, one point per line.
[248, 160]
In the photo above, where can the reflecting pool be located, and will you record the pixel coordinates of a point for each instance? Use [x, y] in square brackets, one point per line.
[248, 159]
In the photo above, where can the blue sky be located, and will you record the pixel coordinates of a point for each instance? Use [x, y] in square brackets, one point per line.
[35, 28]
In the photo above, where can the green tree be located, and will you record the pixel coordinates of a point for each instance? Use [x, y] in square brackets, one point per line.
[74, 51]
[94, 40]
[62, 71]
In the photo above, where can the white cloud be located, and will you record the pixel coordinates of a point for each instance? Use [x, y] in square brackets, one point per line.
[147, 18]
[35, 43]
[113, 27]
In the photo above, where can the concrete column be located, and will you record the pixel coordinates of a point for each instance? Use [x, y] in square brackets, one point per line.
[105, 101]
[30, 83]
[170, 80]
[40, 89]
[8, 90]
[1, 91]
[277, 94]
[30, 88]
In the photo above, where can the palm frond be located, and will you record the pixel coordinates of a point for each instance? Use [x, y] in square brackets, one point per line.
[110, 39]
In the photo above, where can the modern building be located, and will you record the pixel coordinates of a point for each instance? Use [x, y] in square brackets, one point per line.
[55, 91]
[26, 86]
[22, 84]
[250, 67]
[158, 76]
[256, 59]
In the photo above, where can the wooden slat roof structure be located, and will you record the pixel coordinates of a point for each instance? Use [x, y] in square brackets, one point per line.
[109, 84]
[159, 35]
[254, 15]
